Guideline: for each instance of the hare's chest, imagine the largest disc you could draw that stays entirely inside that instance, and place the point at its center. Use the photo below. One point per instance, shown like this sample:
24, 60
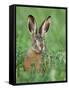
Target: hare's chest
34, 57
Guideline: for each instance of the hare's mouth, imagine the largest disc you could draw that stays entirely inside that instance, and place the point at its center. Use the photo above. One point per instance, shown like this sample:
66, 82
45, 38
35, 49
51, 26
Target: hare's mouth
37, 50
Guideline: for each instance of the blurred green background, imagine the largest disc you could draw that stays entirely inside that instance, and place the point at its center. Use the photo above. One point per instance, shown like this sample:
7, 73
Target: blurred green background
54, 60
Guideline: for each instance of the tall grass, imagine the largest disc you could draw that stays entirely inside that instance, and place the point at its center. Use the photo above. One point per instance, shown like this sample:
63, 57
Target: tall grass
54, 58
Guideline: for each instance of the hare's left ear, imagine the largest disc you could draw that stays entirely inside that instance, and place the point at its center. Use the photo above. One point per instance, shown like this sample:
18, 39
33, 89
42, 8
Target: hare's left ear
31, 24
45, 26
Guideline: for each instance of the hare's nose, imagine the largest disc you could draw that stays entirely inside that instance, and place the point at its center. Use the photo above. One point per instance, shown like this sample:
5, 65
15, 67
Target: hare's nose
41, 45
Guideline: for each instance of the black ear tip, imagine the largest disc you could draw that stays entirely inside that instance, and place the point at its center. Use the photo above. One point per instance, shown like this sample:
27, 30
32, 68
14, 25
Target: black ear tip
48, 17
30, 16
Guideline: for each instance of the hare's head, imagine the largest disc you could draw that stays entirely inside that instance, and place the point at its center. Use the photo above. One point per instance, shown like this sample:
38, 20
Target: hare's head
38, 35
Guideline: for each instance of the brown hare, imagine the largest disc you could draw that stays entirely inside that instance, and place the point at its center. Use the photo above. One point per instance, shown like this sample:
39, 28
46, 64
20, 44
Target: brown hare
34, 53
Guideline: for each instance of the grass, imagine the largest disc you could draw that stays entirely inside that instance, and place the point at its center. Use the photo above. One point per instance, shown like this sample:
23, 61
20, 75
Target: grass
54, 59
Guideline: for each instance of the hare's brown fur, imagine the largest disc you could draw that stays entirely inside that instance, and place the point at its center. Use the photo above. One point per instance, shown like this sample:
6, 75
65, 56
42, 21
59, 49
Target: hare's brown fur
32, 58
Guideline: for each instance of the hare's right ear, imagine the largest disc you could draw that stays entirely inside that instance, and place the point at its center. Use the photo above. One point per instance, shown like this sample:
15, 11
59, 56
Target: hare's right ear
45, 26
31, 24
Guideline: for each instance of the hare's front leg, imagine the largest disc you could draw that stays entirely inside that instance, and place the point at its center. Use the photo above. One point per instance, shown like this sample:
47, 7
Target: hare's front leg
27, 64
